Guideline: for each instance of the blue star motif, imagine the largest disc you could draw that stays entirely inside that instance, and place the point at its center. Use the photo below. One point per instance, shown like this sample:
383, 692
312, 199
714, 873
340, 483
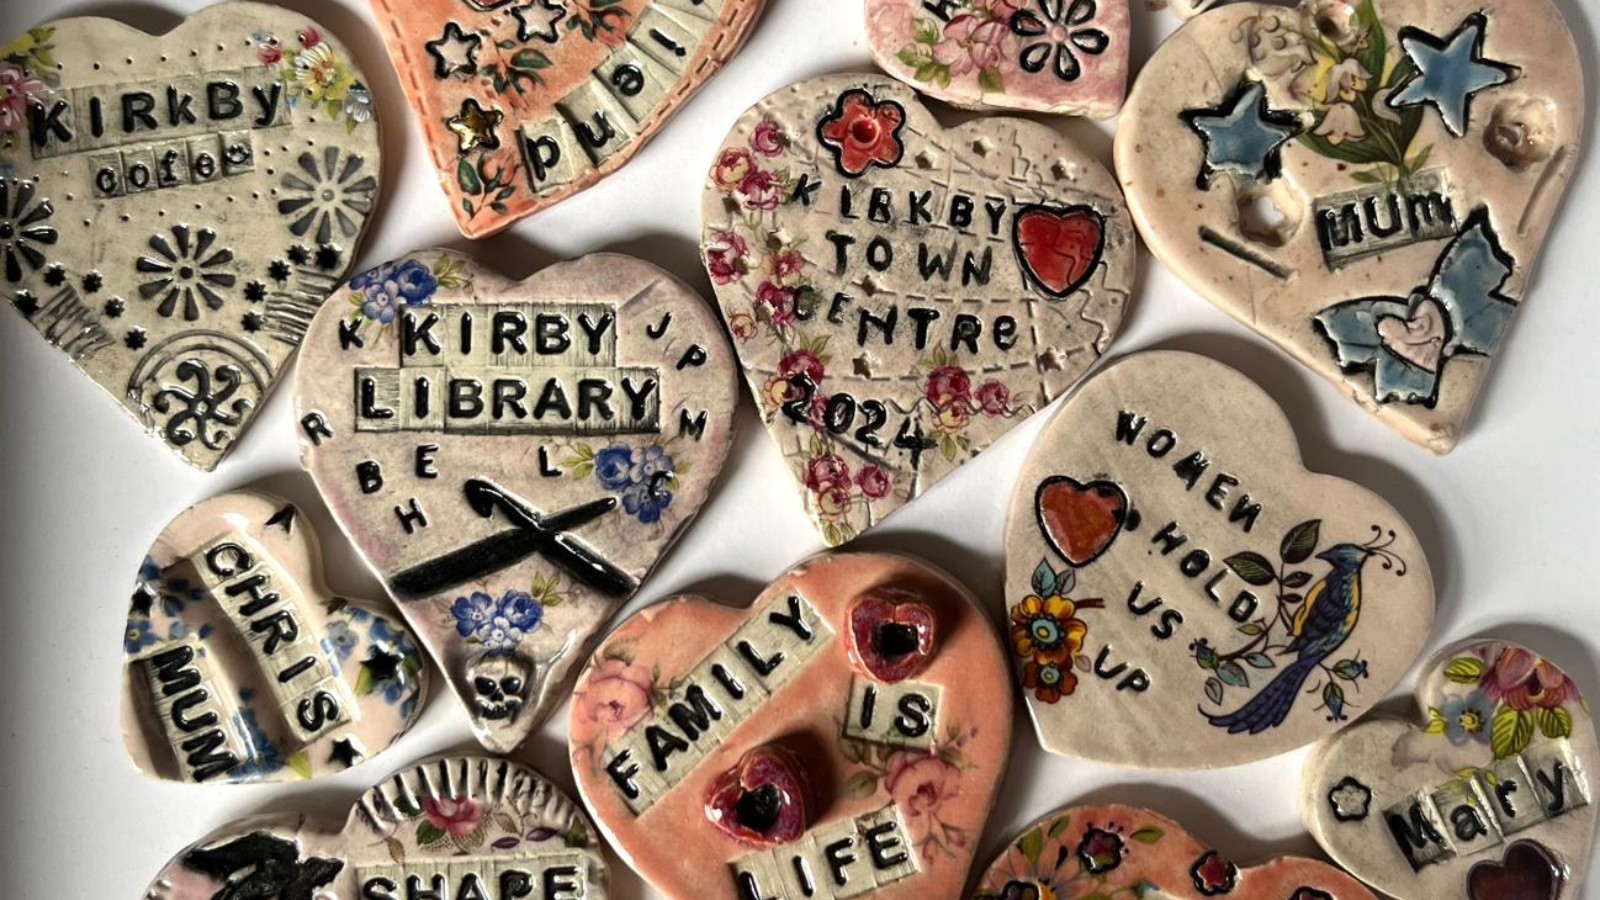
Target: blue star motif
1449, 71
1243, 136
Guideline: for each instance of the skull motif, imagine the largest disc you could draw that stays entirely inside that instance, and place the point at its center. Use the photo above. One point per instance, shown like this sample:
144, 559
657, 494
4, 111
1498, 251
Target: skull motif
499, 686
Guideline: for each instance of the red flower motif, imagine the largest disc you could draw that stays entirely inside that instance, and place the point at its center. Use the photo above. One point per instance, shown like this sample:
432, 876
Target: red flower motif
269, 52
994, 399
761, 190
779, 302
949, 385
1214, 875
726, 256
310, 38
826, 473
1100, 851
768, 139
873, 481
802, 362
1522, 681
457, 818
863, 132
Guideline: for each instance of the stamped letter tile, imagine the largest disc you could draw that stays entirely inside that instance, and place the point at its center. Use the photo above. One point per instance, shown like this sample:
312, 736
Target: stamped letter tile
524, 103
243, 667
1175, 576
513, 457
174, 208
1364, 183
775, 786
1054, 56
1486, 796
450, 828
902, 295
1126, 851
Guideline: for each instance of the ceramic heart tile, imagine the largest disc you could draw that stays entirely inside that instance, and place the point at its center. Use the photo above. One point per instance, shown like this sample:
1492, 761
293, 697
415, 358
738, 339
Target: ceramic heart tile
902, 295
1057, 56
1365, 183
241, 664
512, 458
1485, 796
452, 827
1116, 851
174, 208
783, 751
1175, 576
523, 104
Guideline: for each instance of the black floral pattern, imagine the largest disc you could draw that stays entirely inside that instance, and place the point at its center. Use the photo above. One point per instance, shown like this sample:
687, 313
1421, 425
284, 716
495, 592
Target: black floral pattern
24, 227
208, 410
1053, 34
186, 269
327, 193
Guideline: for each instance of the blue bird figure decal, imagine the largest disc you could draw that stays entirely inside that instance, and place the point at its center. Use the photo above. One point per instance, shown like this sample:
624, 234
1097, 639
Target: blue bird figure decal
1325, 620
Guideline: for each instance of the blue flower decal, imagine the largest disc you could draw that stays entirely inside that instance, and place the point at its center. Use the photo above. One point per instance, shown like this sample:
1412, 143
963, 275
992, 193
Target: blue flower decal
1467, 718
340, 640
614, 467
139, 635
384, 290
498, 625
642, 480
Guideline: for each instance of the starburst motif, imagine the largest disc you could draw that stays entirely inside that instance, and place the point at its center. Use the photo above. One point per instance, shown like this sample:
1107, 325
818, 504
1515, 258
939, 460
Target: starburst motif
114, 307
186, 272
134, 339
327, 193
24, 227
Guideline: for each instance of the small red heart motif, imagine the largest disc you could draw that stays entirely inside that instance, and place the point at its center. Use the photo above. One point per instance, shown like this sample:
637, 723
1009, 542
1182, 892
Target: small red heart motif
891, 635
1527, 871
1058, 246
764, 801
1080, 520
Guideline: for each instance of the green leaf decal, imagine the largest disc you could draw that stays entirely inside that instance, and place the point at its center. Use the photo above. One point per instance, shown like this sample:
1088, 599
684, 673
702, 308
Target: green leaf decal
467, 178
861, 784
1214, 690
1044, 580
1148, 834
429, 833
1233, 673
1260, 661
1029, 845
1059, 826
1300, 541
1555, 723
1464, 670
1252, 567
1510, 733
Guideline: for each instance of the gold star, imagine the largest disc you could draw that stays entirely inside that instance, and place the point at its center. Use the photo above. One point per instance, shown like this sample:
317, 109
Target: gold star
474, 126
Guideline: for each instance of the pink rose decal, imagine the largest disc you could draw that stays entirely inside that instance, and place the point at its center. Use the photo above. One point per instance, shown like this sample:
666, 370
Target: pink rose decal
948, 386
731, 169
761, 190
921, 784
971, 43
1524, 681
727, 257
456, 818
17, 88
615, 696
768, 139
873, 481
827, 472
742, 325
994, 399
778, 302
802, 362
786, 266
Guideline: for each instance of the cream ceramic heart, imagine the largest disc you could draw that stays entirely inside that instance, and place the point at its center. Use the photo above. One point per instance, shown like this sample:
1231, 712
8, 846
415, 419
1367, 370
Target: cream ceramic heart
1117, 851
1486, 796
524, 103
1418, 340
244, 667
1058, 56
1315, 171
458, 826
1235, 606
902, 295
174, 208
704, 736
512, 458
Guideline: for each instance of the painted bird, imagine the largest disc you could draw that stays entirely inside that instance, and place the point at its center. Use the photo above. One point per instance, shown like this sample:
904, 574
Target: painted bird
1325, 620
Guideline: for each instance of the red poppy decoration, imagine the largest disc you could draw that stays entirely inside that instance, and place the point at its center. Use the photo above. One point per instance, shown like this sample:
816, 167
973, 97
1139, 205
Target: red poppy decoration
1213, 875
862, 132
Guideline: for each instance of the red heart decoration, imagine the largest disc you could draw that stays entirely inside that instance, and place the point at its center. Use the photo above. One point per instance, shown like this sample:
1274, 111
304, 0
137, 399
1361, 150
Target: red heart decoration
891, 636
1080, 520
1527, 871
764, 801
1059, 246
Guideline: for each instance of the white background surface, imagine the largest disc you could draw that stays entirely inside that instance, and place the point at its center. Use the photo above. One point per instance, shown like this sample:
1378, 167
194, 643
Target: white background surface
1508, 520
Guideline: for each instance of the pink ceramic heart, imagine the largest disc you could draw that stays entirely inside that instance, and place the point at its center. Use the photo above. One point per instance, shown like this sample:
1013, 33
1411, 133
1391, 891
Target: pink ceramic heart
513, 457
1116, 851
696, 728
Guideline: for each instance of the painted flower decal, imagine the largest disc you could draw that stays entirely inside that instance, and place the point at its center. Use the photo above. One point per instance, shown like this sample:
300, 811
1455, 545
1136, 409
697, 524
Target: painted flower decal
862, 132
768, 139
17, 88
325, 193
1523, 681
727, 257
321, 75
455, 818
384, 290
1100, 851
24, 227
1047, 635
139, 634
1214, 875
614, 696
970, 43
642, 478
920, 784
186, 268
1467, 718
498, 625
1056, 34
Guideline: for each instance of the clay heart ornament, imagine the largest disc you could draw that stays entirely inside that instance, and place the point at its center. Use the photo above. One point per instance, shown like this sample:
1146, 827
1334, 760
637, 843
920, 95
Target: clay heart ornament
512, 458
1124, 850
243, 667
902, 295
1175, 576
454, 827
738, 753
1486, 796
524, 103
1056, 56
174, 208
1080, 520
1418, 340
891, 634
1319, 172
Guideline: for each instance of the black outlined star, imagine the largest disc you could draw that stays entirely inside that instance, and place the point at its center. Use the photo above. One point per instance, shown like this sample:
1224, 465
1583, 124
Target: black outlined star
134, 338
474, 126
346, 753
1243, 136
252, 322
143, 601
1449, 71
539, 19
381, 664
454, 51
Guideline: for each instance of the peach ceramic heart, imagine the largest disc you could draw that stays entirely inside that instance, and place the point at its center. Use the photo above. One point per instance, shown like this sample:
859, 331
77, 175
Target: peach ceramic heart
1115, 851
1059, 56
175, 207
1182, 593
513, 457
1486, 796
243, 666
453, 827
736, 753
902, 295
524, 104
1365, 183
